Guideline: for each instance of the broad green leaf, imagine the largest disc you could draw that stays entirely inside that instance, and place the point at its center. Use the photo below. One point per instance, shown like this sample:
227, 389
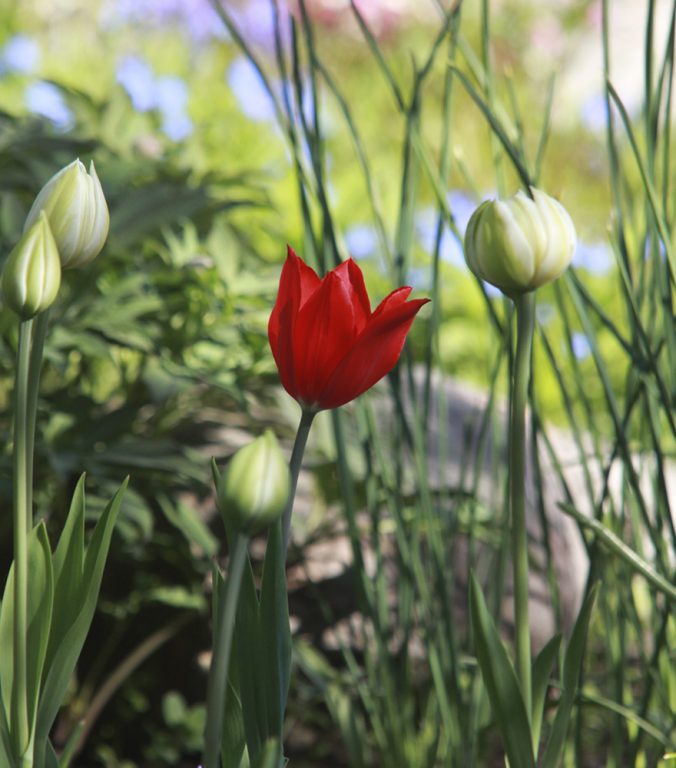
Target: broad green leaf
5, 738
69, 552
270, 756
233, 746
249, 655
572, 666
263, 649
274, 628
51, 760
542, 667
501, 683
40, 601
7, 643
79, 606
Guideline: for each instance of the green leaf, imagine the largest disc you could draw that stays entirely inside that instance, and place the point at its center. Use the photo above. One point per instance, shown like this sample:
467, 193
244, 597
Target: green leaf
233, 744
40, 601
5, 738
74, 606
501, 683
248, 653
275, 630
186, 520
68, 751
51, 759
69, 552
270, 756
571, 674
233, 748
542, 668
263, 648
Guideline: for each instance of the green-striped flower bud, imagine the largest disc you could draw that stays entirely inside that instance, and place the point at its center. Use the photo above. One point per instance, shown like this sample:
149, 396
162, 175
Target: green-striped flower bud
77, 211
255, 486
520, 243
32, 273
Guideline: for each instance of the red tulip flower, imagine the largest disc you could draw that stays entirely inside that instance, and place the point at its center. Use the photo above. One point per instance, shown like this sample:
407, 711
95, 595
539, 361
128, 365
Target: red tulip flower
328, 345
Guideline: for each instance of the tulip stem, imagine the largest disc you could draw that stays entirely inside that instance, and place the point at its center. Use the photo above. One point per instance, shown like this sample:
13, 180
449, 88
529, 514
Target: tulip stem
525, 320
294, 467
19, 697
220, 661
34, 369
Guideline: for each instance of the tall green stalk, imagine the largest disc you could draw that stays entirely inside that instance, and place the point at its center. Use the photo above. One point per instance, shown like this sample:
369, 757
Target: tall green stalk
299, 444
220, 661
19, 697
525, 319
34, 369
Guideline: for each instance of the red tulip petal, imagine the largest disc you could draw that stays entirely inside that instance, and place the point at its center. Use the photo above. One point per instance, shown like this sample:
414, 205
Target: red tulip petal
308, 278
325, 330
296, 284
374, 353
394, 299
361, 301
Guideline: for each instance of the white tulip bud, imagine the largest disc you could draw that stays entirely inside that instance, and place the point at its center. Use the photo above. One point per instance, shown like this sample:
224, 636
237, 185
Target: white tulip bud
520, 243
77, 211
255, 487
32, 273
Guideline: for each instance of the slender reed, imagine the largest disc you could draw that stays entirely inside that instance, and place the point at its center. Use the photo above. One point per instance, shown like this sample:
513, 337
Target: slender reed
294, 466
19, 701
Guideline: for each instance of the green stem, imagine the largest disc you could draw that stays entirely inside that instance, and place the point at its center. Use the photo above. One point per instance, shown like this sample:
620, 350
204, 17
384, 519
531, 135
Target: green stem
35, 366
220, 661
294, 466
525, 319
19, 698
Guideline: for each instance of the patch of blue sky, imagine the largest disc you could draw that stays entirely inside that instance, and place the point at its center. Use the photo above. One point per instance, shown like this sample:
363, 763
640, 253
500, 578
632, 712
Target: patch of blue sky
648, 250
172, 101
249, 90
257, 104
177, 126
20, 54
168, 94
491, 291
596, 258
137, 78
580, 345
255, 21
462, 207
171, 94
419, 278
46, 100
450, 248
594, 113
544, 312
361, 240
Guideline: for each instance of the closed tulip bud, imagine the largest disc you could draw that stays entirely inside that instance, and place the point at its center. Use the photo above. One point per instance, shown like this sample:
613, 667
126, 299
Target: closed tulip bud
32, 273
255, 487
520, 243
77, 211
